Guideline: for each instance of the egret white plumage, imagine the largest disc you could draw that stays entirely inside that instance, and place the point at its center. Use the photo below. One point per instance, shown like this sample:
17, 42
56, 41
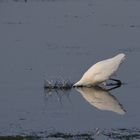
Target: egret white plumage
101, 71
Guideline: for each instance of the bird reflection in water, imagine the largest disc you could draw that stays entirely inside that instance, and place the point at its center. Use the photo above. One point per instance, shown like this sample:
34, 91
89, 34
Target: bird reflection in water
97, 96
102, 99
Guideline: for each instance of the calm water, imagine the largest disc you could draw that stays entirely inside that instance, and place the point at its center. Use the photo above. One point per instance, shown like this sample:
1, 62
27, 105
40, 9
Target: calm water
62, 39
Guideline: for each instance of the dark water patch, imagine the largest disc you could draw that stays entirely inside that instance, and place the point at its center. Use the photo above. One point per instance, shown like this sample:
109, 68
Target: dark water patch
22, 119
75, 47
79, 17
135, 17
112, 25
18, 137
50, 45
134, 26
28, 68
119, 134
78, 53
20, 0
132, 0
70, 49
123, 134
118, 26
83, 136
26, 1
130, 49
13, 22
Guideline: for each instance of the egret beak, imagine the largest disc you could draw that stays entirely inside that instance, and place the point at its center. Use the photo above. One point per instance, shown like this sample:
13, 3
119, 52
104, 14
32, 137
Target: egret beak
77, 85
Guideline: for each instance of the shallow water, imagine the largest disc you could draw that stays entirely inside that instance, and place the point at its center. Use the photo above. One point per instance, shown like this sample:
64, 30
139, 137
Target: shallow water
61, 39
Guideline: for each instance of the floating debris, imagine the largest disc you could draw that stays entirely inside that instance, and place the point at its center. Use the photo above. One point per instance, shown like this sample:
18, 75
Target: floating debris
63, 85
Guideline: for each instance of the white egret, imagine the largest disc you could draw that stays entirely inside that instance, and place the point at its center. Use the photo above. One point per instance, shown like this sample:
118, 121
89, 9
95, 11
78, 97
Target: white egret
101, 71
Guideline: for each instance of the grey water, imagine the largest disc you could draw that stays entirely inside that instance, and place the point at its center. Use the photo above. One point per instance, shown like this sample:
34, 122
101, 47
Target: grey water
61, 39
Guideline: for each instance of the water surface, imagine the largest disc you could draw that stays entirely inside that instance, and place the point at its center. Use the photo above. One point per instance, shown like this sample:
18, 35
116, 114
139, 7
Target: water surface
62, 39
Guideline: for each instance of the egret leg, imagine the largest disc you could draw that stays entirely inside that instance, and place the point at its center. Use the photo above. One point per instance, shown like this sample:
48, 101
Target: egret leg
118, 82
117, 86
